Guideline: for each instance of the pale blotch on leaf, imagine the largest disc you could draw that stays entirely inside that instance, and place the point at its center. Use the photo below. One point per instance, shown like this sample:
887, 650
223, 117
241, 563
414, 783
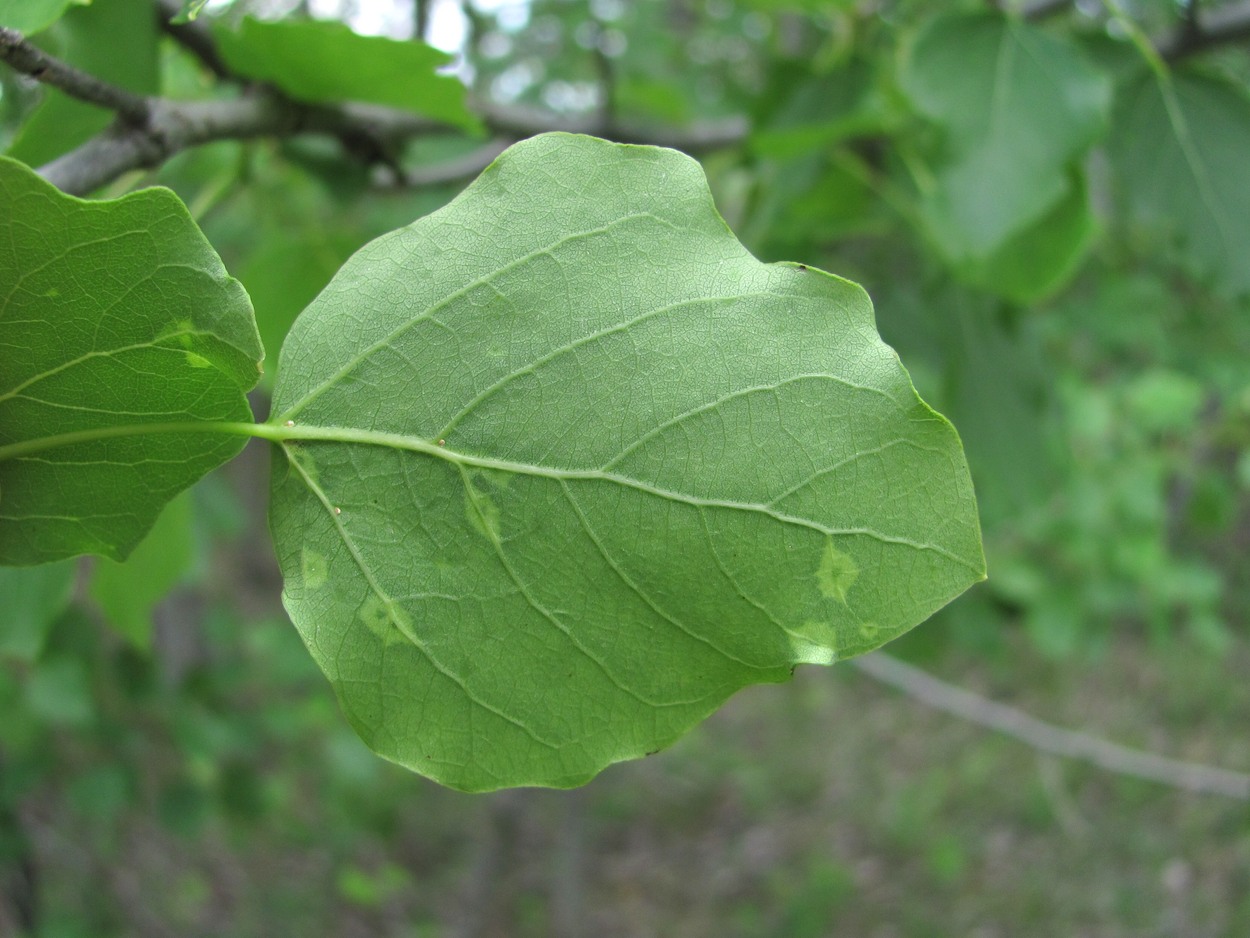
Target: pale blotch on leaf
313, 568
197, 361
868, 631
299, 455
482, 512
814, 642
384, 619
836, 573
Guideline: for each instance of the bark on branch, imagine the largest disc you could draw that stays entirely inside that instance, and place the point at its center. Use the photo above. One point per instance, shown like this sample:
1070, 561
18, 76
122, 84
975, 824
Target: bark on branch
1045, 737
30, 60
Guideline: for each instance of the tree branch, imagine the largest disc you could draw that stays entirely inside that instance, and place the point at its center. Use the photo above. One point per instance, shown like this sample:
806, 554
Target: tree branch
1205, 29
30, 60
192, 36
1040, 9
1046, 737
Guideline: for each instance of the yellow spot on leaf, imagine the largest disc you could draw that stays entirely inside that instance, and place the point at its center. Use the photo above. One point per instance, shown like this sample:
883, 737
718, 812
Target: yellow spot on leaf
836, 573
313, 568
384, 619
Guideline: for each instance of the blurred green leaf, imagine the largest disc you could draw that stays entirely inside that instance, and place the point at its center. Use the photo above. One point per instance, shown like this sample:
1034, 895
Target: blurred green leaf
115, 316
669, 471
111, 39
327, 62
31, 16
33, 599
1017, 107
59, 691
1042, 258
1179, 150
129, 592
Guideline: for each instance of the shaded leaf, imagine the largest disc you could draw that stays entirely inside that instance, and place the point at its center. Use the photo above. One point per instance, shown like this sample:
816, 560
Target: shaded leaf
129, 592
31, 16
568, 467
33, 599
114, 40
1179, 151
123, 336
1039, 260
1017, 106
327, 62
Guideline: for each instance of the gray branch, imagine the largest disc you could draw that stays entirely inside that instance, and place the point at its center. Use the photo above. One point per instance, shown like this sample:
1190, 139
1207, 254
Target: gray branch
30, 60
1205, 29
151, 130
1044, 737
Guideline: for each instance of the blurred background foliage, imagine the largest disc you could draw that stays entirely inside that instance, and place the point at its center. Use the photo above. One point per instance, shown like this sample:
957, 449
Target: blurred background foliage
1050, 206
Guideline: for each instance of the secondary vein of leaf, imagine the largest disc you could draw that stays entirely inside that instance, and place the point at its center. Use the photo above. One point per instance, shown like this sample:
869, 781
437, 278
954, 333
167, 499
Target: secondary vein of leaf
388, 603
357, 359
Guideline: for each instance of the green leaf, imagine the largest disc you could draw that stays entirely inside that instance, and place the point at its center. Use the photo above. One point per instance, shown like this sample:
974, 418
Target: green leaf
1017, 106
1038, 261
33, 599
117, 321
114, 40
128, 592
31, 16
327, 62
1179, 153
563, 466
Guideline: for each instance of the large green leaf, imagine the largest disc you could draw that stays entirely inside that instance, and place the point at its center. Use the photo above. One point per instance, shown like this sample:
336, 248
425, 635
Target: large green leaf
112, 39
327, 62
1017, 106
1179, 149
117, 320
563, 466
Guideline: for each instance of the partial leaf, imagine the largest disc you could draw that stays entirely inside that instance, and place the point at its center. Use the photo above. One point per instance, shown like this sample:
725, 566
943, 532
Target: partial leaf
327, 62
129, 592
1041, 259
112, 39
1017, 106
31, 16
562, 467
1179, 150
124, 341
33, 599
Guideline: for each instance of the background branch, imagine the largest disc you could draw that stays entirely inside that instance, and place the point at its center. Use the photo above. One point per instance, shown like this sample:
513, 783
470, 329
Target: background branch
193, 36
1205, 29
154, 129
30, 60
1048, 738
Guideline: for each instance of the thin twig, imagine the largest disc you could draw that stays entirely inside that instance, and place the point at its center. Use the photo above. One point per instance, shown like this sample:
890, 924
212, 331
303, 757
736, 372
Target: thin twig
30, 60
1046, 737
457, 170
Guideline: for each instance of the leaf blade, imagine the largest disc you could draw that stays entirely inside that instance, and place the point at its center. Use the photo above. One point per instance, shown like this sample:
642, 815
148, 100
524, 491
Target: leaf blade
119, 319
552, 496
327, 62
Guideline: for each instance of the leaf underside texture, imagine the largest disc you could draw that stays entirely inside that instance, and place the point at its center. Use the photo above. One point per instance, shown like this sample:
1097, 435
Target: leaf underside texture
569, 467
117, 323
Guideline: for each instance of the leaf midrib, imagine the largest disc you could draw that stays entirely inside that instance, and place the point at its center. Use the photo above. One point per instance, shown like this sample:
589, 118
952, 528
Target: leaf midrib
282, 434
